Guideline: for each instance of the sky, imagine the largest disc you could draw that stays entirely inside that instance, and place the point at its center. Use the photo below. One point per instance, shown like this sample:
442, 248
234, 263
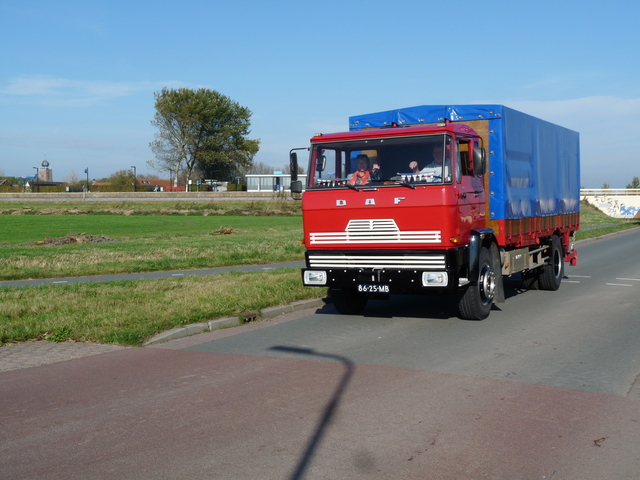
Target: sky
77, 78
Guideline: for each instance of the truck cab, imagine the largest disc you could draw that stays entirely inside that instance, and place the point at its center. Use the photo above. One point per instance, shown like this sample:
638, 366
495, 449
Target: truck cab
400, 222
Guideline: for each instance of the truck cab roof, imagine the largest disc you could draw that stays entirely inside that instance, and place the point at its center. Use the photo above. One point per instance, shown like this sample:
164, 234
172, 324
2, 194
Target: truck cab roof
396, 131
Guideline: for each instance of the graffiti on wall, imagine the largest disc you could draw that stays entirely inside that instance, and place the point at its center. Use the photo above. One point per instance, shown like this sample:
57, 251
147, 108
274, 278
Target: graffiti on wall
616, 206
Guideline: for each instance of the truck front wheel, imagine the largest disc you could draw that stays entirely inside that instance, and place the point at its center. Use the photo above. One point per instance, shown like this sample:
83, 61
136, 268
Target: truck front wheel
477, 298
552, 273
348, 301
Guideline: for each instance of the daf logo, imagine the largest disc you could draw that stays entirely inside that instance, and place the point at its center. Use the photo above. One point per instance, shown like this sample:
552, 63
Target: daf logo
369, 201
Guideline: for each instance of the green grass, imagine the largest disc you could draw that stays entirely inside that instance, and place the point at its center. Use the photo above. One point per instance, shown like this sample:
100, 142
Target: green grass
130, 312
18, 229
144, 243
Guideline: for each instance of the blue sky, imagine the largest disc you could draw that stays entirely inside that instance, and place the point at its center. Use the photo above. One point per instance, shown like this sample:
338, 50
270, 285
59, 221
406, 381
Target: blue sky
77, 78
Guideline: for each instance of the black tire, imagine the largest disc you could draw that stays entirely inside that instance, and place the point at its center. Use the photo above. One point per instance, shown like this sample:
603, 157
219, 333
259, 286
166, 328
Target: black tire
348, 301
477, 297
551, 274
531, 279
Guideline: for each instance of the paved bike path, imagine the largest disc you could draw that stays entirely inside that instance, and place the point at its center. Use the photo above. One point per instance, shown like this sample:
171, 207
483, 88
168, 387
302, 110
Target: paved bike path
150, 275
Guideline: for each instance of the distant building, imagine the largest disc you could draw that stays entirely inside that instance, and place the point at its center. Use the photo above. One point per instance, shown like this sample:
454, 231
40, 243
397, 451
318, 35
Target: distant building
271, 183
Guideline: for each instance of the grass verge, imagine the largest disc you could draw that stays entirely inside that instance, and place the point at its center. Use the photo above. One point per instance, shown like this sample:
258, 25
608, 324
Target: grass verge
130, 312
595, 223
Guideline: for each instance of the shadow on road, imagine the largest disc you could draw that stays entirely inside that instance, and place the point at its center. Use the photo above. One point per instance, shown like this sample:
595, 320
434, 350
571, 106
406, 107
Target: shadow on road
329, 410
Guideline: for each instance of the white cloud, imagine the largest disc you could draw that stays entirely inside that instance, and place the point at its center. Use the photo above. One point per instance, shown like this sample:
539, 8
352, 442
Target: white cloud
54, 91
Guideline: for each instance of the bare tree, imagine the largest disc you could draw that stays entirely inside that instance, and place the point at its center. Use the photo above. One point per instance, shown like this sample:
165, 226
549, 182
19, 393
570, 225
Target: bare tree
72, 178
260, 168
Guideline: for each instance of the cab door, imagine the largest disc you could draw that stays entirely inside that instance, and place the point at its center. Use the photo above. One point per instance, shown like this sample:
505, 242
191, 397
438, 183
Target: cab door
470, 190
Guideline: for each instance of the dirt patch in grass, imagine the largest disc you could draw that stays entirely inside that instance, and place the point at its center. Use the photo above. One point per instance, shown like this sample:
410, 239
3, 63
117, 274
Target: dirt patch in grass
224, 231
73, 238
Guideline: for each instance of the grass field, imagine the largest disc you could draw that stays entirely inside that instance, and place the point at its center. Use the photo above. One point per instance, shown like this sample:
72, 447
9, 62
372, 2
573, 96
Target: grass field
142, 243
154, 237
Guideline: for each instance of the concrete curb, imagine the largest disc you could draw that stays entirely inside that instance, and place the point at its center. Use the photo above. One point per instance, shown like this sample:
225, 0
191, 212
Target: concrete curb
211, 325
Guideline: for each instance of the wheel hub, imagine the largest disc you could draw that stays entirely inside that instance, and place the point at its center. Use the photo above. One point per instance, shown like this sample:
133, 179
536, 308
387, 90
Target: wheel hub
487, 284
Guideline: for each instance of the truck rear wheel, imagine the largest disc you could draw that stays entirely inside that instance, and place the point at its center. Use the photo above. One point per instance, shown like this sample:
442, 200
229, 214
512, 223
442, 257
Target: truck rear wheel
551, 274
348, 301
477, 298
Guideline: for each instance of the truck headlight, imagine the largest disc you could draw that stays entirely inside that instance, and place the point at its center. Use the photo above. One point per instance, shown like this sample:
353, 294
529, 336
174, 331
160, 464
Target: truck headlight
315, 277
435, 279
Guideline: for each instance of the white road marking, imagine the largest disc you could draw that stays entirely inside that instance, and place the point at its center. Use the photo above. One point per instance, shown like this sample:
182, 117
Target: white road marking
570, 281
177, 274
619, 285
629, 279
579, 276
63, 281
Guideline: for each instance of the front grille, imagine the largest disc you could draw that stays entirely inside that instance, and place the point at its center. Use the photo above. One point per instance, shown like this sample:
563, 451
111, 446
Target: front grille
375, 231
401, 262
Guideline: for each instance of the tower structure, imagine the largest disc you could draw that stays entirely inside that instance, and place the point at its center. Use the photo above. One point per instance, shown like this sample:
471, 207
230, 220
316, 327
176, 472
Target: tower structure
45, 174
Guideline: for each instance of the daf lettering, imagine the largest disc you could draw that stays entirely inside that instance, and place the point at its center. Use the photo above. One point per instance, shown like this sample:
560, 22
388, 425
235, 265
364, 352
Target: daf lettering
341, 203
370, 201
397, 200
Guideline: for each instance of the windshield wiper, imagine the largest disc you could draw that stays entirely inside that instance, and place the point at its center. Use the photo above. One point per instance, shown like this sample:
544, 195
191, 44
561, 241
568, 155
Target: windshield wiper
405, 184
398, 180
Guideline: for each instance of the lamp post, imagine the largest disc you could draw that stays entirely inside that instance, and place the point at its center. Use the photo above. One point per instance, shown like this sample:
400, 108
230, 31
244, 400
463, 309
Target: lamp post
37, 179
134, 177
171, 178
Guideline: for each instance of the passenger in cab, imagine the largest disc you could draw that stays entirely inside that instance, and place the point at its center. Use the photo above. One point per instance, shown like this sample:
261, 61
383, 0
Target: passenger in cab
362, 174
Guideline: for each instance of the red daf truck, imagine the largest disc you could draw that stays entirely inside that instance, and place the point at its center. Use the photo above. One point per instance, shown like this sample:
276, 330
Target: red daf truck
446, 199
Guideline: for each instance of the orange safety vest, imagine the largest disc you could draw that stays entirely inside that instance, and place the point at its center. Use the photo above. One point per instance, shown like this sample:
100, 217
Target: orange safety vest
360, 178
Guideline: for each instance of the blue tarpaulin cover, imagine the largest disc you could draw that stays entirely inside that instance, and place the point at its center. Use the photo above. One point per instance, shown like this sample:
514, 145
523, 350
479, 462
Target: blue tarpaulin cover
533, 165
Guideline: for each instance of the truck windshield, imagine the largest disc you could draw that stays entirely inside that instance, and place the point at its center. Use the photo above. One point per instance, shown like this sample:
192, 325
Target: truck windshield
416, 160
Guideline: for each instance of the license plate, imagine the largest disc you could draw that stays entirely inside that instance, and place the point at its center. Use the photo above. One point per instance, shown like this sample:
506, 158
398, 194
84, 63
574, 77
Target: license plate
373, 288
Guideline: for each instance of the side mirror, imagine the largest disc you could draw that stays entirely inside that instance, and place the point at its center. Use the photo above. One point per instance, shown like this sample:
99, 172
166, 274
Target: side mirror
293, 166
321, 163
479, 161
296, 186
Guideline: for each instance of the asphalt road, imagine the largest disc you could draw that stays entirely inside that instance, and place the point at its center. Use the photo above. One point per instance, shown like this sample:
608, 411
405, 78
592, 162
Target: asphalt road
543, 388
